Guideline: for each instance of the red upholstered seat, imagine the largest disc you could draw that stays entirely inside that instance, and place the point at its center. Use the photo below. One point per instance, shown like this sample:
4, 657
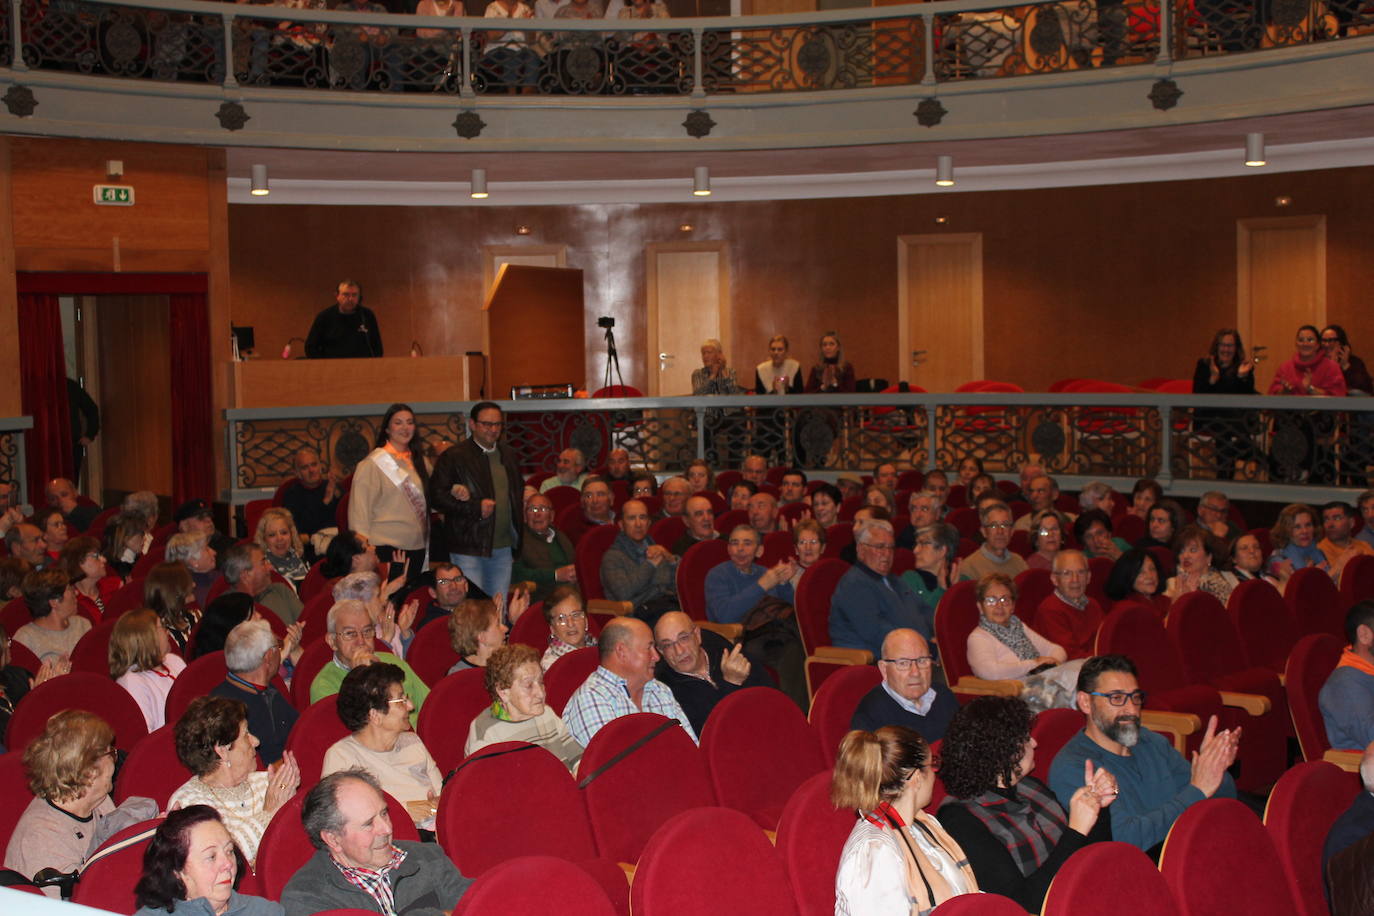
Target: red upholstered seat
622, 830
107, 883
727, 479
78, 690
833, 706
14, 615
22, 656
1309, 665
314, 619
811, 834
666, 531
1264, 622
524, 884
316, 582
1357, 580
431, 653
1164, 559
837, 537
700, 559
14, 793
1130, 528
794, 512
546, 817
729, 521
587, 560
1315, 602
563, 496
530, 629
317, 728
1032, 587
200, 677
965, 519
759, 748
812, 598
1302, 807
736, 863
572, 522
1218, 858
1051, 730
156, 554
567, 674
979, 905
777, 546
284, 847
1211, 652
92, 651
152, 769
448, 712
1137, 887
1101, 569
955, 617
313, 658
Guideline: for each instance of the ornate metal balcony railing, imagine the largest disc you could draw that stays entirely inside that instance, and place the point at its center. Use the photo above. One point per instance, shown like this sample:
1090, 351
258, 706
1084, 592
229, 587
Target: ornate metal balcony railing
1282, 446
13, 467
930, 43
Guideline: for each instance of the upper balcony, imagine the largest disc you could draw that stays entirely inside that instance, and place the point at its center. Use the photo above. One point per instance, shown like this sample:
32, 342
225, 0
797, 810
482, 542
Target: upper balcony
233, 75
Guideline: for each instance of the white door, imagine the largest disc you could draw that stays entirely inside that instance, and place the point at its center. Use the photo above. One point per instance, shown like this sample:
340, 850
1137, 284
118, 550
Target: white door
1280, 285
689, 301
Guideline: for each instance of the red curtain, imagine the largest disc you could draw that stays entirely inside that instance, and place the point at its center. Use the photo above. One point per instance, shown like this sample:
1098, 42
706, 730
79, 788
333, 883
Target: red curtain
43, 374
193, 457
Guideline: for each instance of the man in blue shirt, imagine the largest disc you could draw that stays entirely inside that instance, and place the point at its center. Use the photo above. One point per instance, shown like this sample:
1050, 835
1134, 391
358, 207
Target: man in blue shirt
1155, 783
735, 587
1347, 697
869, 602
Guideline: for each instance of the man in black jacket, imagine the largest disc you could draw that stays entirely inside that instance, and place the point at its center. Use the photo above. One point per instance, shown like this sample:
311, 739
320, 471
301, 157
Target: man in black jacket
700, 667
346, 329
477, 486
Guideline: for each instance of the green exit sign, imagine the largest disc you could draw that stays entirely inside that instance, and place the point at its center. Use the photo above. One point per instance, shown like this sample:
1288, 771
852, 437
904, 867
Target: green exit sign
113, 195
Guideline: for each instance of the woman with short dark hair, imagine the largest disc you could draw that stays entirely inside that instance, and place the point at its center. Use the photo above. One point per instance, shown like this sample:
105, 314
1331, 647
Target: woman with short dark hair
1011, 826
192, 865
1135, 577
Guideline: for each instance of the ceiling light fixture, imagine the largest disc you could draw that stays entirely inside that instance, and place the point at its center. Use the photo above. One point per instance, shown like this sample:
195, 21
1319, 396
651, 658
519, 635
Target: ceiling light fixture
701, 182
1254, 150
479, 184
944, 171
258, 186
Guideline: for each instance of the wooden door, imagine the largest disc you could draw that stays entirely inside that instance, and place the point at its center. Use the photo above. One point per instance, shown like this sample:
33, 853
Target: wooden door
136, 398
689, 301
1280, 285
940, 308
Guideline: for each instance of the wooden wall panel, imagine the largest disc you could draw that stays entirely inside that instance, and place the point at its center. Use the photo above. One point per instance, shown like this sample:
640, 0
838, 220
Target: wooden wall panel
135, 377
1121, 282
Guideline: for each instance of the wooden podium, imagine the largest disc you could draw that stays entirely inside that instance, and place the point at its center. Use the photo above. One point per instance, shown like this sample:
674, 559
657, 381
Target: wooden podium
535, 328
385, 380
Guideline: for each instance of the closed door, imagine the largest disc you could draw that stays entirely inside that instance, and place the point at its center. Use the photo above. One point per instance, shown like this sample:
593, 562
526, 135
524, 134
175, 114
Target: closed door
136, 403
940, 309
1280, 285
689, 301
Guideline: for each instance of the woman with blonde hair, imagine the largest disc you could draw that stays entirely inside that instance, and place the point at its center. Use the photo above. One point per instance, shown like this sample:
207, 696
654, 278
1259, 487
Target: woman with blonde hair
142, 662
833, 374
170, 592
898, 859
1294, 536
281, 544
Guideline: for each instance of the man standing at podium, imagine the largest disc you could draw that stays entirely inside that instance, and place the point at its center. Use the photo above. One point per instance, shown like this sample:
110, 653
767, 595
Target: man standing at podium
347, 329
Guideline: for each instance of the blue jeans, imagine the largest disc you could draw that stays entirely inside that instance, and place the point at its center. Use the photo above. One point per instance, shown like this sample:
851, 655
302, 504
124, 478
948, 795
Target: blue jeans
490, 574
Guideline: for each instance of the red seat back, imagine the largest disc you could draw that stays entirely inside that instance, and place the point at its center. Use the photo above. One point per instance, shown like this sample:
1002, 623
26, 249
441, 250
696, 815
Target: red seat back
523, 884
833, 706
1137, 887
955, 617
740, 861
431, 653
1101, 569
314, 619
759, 748
666, 531
567, 674
316, 582
1051, 730
1357, 580
108, 882
1032, 587
813, 601
1219, 851
700, 559
1309, 665
590, 549
448, 713
14, 615
545, 817
837, 537
1315, 602
1264, 622
811, 835
1302, 807
78, 690
313, 659
156, 554
1135, 631
14, 794
1130, 528
152, 769
965, 519
530, 629
1205, 638
622, 830
777, 546
125, 598
318, 727
729, 521
92, 651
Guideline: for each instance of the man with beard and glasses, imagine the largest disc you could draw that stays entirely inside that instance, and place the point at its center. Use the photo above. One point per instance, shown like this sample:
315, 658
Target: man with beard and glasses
1155, 782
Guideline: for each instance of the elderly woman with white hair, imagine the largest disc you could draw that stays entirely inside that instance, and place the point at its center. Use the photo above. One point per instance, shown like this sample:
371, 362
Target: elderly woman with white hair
253, 657
714, 377
195, 553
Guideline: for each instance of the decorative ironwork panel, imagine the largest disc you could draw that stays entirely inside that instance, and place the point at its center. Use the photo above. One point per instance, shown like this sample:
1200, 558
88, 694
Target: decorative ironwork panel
1115, 441
583, 63
845, 55
6, 45
123, 41
10, 445
1274, 446
999, 436
1210, 27
1100, 441
1048, 38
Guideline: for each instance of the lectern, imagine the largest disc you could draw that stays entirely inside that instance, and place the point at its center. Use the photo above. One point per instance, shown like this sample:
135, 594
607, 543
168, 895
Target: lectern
535, 328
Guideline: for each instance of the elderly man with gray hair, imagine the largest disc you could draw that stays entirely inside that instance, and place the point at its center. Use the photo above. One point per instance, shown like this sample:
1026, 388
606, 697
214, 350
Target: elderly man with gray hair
246, 569
352, 634
869, 602
195, 553
252, 653
395, 630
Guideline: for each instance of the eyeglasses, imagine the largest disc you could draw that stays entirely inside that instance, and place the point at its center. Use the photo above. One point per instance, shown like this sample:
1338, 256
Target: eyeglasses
539, 510
451, 580
809, 542
368, 632
1072, 573
1213, 508
574, 617
683, 640
995, 600
998, 526
925, 542
904, 664
881, 548
1119, 697
403, 698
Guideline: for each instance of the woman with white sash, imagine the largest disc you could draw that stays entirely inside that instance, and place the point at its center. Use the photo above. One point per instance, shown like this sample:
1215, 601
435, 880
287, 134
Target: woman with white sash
387, 503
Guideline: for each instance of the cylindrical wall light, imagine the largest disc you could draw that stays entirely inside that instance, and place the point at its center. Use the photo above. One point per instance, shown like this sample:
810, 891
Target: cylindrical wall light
1254, 150
258, 186
701, 181
479, 184
944, 171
